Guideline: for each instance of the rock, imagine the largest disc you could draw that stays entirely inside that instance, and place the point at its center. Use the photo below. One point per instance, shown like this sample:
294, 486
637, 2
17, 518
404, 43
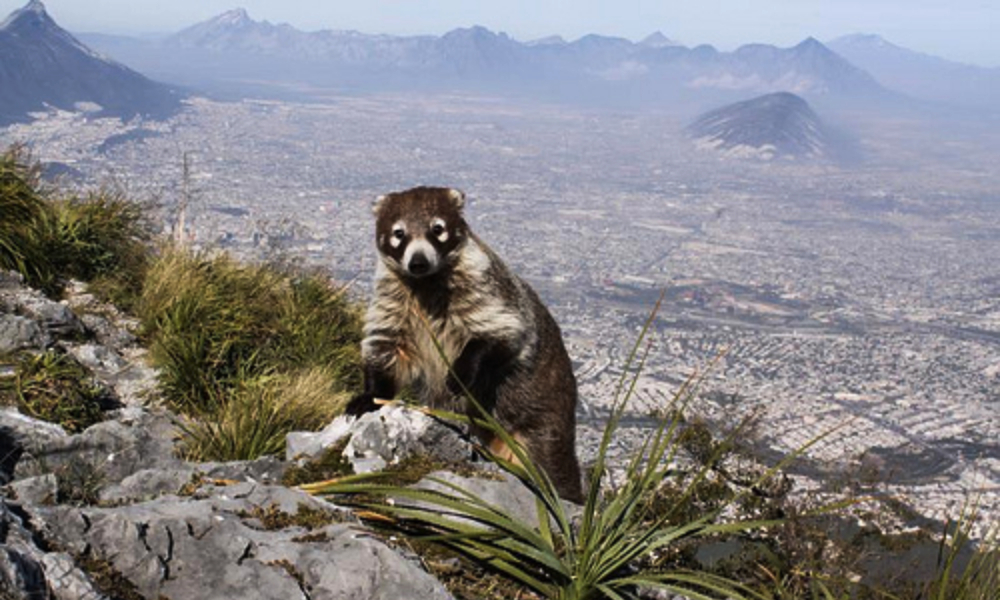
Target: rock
504, 492
21, 572
55, 317
21, 576
310, 444
135, 383
20, 333
396, 432
68, 582
36, 490
151, 483
17, 431
386, 436
211, 548
119, 448
107, 333
96, 358
10, 280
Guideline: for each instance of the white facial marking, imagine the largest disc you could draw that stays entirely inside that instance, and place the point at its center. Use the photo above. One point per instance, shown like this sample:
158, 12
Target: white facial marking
398, 231
439, 229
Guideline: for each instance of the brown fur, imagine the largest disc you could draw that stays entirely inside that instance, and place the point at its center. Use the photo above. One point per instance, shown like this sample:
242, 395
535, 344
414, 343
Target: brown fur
503, 345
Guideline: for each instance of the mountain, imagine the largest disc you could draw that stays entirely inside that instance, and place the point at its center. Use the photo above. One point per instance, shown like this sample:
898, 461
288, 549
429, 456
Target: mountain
657, 40
780, 125
921, 75
237, 51
42, 65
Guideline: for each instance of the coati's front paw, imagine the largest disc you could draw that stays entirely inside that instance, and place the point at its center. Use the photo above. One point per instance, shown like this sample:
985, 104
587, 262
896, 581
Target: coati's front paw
361, 404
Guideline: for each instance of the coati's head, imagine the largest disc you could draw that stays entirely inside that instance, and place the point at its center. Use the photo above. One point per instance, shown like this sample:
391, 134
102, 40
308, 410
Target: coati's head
420, 231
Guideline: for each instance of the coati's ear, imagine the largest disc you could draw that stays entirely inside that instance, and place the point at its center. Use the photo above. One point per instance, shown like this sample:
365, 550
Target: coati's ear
457, 197
377, 204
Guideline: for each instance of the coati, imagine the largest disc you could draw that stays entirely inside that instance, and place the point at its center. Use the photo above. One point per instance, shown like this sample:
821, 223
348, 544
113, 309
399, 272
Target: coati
437, 281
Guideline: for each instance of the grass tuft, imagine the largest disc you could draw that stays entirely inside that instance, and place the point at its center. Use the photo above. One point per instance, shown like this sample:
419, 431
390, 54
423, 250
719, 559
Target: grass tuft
252, 420
24, 210
247, 352
54, 387
101, 238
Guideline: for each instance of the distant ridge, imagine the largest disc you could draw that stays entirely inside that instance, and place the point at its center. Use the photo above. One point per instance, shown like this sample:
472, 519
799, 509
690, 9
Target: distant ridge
235, 51
921, 75
774, 126
44, 66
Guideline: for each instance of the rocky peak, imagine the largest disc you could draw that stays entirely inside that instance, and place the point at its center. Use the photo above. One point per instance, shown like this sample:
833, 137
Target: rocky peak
236, 17
31, 17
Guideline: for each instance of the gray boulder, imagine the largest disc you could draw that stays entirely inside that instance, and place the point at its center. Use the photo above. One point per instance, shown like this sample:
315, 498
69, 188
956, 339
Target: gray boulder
68, 581
20, 333
54, 317
137, 440
147, 484
215, 548
21, 572
18, 431
384, 437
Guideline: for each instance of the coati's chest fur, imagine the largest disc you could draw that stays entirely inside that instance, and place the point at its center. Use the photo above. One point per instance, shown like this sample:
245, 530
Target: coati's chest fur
428, 323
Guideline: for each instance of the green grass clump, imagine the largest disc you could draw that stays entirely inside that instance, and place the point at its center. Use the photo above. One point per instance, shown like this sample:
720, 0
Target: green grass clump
253, 419
101, 238
54, 387
248, 352
23, 211
104, 239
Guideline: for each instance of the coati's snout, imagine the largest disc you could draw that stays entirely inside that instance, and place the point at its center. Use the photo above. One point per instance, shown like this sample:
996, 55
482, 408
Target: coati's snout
421, 259
420, 231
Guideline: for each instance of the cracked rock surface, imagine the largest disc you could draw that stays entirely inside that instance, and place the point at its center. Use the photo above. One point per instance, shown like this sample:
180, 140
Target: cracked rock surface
113, 511
213, 547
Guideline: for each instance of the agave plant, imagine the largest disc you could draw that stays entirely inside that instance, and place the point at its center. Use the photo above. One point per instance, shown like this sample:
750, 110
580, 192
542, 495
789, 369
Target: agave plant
979, 579
604, 552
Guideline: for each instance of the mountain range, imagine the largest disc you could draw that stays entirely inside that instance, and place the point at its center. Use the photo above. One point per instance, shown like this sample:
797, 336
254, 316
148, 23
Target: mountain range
235, 56
43, 66
233, 53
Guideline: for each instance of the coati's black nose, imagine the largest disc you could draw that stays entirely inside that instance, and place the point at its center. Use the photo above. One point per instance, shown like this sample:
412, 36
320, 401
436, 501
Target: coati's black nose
419, 265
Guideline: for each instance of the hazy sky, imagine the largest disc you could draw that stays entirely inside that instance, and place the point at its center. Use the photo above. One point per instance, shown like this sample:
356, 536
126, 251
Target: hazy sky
963, 30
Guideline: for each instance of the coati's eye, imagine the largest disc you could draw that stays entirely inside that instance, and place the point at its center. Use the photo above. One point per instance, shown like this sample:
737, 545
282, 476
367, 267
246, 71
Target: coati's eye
398, 233
438, 229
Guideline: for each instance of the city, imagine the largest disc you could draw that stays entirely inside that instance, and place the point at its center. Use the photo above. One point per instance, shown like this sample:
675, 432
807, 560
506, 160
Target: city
862, 301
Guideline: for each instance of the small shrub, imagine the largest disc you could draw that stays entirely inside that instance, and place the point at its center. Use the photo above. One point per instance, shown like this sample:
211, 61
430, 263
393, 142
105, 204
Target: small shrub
79, 483
54, 387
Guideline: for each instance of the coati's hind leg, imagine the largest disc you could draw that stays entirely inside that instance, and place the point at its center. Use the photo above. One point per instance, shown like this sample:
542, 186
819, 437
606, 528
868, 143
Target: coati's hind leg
556, 457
